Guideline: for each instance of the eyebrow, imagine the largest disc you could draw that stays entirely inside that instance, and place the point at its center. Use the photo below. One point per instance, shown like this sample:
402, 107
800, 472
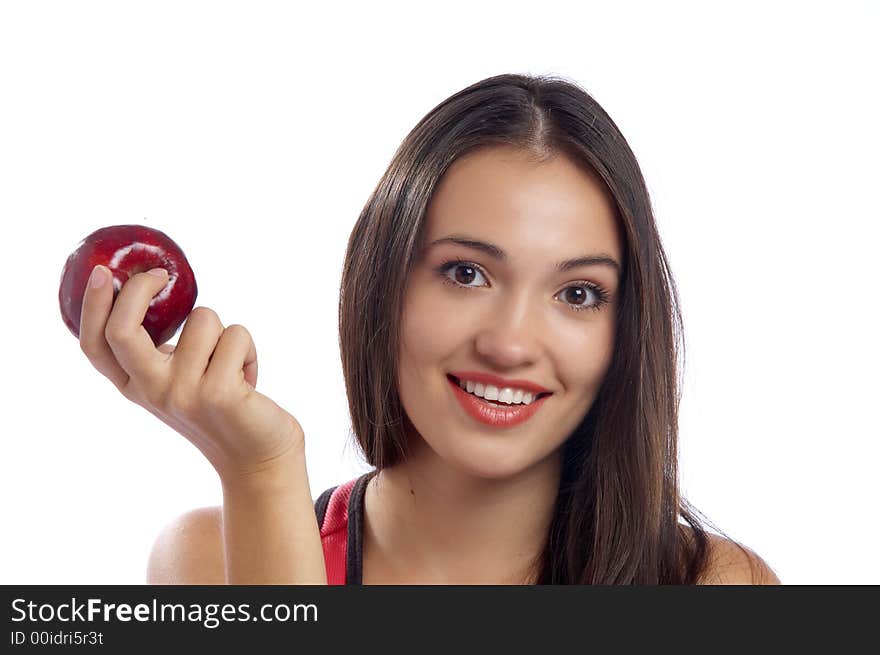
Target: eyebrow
495, 252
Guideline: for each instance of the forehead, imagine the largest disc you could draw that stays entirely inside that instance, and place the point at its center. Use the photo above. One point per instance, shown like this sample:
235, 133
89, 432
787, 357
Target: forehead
504, 196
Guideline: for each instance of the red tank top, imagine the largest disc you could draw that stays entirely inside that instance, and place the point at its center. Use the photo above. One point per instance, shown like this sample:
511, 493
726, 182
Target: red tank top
340, 514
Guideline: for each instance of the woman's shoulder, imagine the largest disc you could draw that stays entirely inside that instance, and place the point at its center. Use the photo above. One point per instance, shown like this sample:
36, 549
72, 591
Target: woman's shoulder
731, 563
189, 550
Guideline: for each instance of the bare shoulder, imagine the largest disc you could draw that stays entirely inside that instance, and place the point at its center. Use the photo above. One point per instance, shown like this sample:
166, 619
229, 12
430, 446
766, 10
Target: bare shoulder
189, 550
730, 563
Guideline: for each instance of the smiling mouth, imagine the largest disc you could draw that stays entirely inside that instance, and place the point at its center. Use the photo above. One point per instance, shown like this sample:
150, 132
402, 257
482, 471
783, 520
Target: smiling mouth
537, 397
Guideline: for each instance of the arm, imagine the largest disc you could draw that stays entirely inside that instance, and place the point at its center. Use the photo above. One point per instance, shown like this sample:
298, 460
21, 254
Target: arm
266, 532
261, 524
270, 532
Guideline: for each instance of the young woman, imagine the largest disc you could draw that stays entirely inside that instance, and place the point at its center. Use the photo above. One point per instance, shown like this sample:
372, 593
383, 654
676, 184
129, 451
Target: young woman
509, 332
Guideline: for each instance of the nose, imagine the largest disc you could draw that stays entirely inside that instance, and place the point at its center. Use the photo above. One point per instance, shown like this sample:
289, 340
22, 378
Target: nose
512, 335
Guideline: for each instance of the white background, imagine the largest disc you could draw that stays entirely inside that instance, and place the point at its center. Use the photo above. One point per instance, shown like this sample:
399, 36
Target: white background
253, 133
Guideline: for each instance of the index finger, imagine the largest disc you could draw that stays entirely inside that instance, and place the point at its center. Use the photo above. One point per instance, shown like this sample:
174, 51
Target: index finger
97, 302
125, 334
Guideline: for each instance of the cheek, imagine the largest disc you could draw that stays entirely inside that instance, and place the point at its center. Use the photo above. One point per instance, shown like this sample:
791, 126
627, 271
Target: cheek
605, 342
427, 334
585, 360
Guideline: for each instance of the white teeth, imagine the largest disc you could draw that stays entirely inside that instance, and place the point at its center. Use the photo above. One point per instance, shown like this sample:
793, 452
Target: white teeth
490, 392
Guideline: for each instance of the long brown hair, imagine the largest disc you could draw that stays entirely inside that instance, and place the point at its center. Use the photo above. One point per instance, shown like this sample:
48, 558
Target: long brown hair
618, 510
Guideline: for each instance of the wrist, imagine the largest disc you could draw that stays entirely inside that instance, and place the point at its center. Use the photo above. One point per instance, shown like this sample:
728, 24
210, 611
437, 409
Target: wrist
279, 474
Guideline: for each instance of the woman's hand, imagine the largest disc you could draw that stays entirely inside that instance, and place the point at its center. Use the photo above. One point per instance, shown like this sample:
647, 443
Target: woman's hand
204, 388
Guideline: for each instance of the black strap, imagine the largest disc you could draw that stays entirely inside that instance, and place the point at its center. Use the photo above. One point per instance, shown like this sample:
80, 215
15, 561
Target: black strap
355, 565
321, 505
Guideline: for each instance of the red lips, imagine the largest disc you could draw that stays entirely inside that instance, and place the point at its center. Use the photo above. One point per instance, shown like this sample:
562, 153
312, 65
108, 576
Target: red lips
496, 416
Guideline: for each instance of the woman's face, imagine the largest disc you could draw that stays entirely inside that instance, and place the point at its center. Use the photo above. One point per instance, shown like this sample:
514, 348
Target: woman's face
513, 315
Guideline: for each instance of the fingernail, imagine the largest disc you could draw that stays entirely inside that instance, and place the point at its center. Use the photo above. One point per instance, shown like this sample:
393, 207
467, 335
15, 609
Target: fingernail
158, 272
97, 278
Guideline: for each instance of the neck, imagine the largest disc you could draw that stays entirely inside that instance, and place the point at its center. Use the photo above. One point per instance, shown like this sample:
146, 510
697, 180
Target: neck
430, 523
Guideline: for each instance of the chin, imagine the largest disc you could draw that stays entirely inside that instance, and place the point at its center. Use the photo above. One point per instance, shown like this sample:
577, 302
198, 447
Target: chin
489, 461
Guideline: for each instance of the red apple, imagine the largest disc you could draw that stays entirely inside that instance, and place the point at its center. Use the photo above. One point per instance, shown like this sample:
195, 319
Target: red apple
127, 250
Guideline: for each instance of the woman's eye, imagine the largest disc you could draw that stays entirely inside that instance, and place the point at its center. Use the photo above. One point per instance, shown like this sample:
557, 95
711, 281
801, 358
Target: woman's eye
581, 300
577, 297
463, 273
